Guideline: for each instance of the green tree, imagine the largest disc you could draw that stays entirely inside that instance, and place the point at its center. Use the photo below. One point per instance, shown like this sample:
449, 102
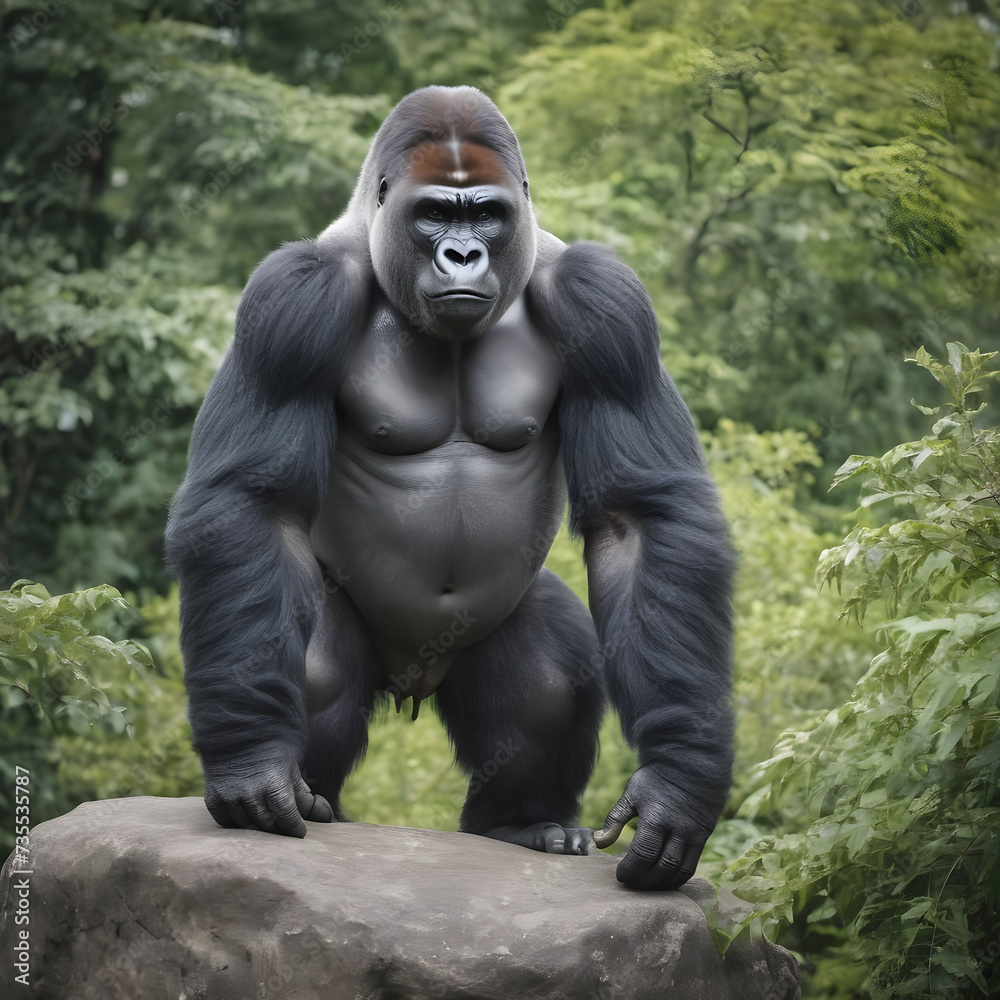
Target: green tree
145, 174
809, 191
901, 784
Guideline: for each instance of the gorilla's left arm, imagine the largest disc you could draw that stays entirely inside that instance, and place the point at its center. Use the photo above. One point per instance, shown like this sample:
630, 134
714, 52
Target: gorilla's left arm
658, 558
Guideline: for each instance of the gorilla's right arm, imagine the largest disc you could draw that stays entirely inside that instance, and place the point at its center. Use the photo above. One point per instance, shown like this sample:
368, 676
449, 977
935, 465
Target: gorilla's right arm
237, 535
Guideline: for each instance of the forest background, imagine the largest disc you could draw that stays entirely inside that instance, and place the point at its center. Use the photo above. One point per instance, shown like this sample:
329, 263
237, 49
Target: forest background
809, 190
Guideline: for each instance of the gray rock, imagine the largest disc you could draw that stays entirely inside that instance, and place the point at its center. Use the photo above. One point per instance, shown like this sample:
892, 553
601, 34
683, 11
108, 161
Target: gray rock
146, 898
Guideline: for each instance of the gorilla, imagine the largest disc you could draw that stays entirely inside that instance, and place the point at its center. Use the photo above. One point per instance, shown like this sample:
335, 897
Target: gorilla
376, 476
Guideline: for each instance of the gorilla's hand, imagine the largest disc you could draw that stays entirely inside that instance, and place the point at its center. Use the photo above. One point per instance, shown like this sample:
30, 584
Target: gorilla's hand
670, 835
263, 791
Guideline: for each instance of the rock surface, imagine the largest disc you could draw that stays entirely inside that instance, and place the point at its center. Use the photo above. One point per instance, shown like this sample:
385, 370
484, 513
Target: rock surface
146, 898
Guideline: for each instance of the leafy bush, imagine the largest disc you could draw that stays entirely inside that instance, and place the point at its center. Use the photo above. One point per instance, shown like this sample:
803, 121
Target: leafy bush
50, 650
900, 784
159, 758
792, 658
64, 687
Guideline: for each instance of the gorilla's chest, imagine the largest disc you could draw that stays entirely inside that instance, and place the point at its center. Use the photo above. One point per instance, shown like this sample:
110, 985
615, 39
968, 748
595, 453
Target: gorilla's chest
405, 393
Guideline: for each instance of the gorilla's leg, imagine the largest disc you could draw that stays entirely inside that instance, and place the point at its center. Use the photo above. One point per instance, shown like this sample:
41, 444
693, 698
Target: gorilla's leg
523, 708
341, 679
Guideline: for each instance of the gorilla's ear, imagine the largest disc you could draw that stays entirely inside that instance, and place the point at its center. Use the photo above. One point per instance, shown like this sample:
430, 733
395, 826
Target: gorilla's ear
382, 188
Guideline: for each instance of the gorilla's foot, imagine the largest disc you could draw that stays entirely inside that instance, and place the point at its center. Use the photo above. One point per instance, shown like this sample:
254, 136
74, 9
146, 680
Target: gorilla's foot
548, 837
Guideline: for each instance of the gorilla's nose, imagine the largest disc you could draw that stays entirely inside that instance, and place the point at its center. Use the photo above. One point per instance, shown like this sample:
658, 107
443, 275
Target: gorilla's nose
464, 260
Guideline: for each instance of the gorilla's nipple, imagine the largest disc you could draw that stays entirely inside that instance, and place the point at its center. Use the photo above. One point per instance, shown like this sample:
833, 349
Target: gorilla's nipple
448, 588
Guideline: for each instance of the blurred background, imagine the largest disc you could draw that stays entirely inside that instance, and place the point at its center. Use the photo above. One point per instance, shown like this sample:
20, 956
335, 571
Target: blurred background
809, 191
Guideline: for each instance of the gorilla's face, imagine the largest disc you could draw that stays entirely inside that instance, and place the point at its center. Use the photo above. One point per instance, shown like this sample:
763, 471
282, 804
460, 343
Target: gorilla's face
453, 241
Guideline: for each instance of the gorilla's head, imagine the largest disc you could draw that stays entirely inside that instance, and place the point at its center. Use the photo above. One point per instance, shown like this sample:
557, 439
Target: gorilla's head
444, 192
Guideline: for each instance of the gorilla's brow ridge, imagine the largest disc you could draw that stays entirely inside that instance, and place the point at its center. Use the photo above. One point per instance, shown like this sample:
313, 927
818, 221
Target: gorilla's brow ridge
457, 163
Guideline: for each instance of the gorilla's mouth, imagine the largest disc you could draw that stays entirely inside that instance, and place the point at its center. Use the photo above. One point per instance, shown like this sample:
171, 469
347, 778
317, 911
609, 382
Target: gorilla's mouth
461, 293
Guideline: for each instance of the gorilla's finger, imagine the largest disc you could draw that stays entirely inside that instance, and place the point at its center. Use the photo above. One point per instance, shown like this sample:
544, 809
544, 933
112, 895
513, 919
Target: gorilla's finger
621, 812
260, 816
286, 811
610, 833
312, 807
321, 812
665, 873
690, 864
646, 848
240, 816
218, 809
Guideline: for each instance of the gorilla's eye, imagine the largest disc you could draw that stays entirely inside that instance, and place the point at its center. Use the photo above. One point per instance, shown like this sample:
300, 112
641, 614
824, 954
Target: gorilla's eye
485, 216
434, 214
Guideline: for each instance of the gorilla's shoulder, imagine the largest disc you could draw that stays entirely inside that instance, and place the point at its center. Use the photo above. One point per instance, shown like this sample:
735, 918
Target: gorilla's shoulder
311, 265
301, 308
585, 276
596, 311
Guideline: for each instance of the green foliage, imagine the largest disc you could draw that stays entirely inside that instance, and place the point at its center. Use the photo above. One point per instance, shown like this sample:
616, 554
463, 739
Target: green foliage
805, 189
792, 658
52, 650
146, 174
89, 715
49, 653
99, 382
902, 782
159, 758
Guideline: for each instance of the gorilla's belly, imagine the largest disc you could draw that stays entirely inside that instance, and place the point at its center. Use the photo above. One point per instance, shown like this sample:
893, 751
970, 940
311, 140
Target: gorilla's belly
437, 549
